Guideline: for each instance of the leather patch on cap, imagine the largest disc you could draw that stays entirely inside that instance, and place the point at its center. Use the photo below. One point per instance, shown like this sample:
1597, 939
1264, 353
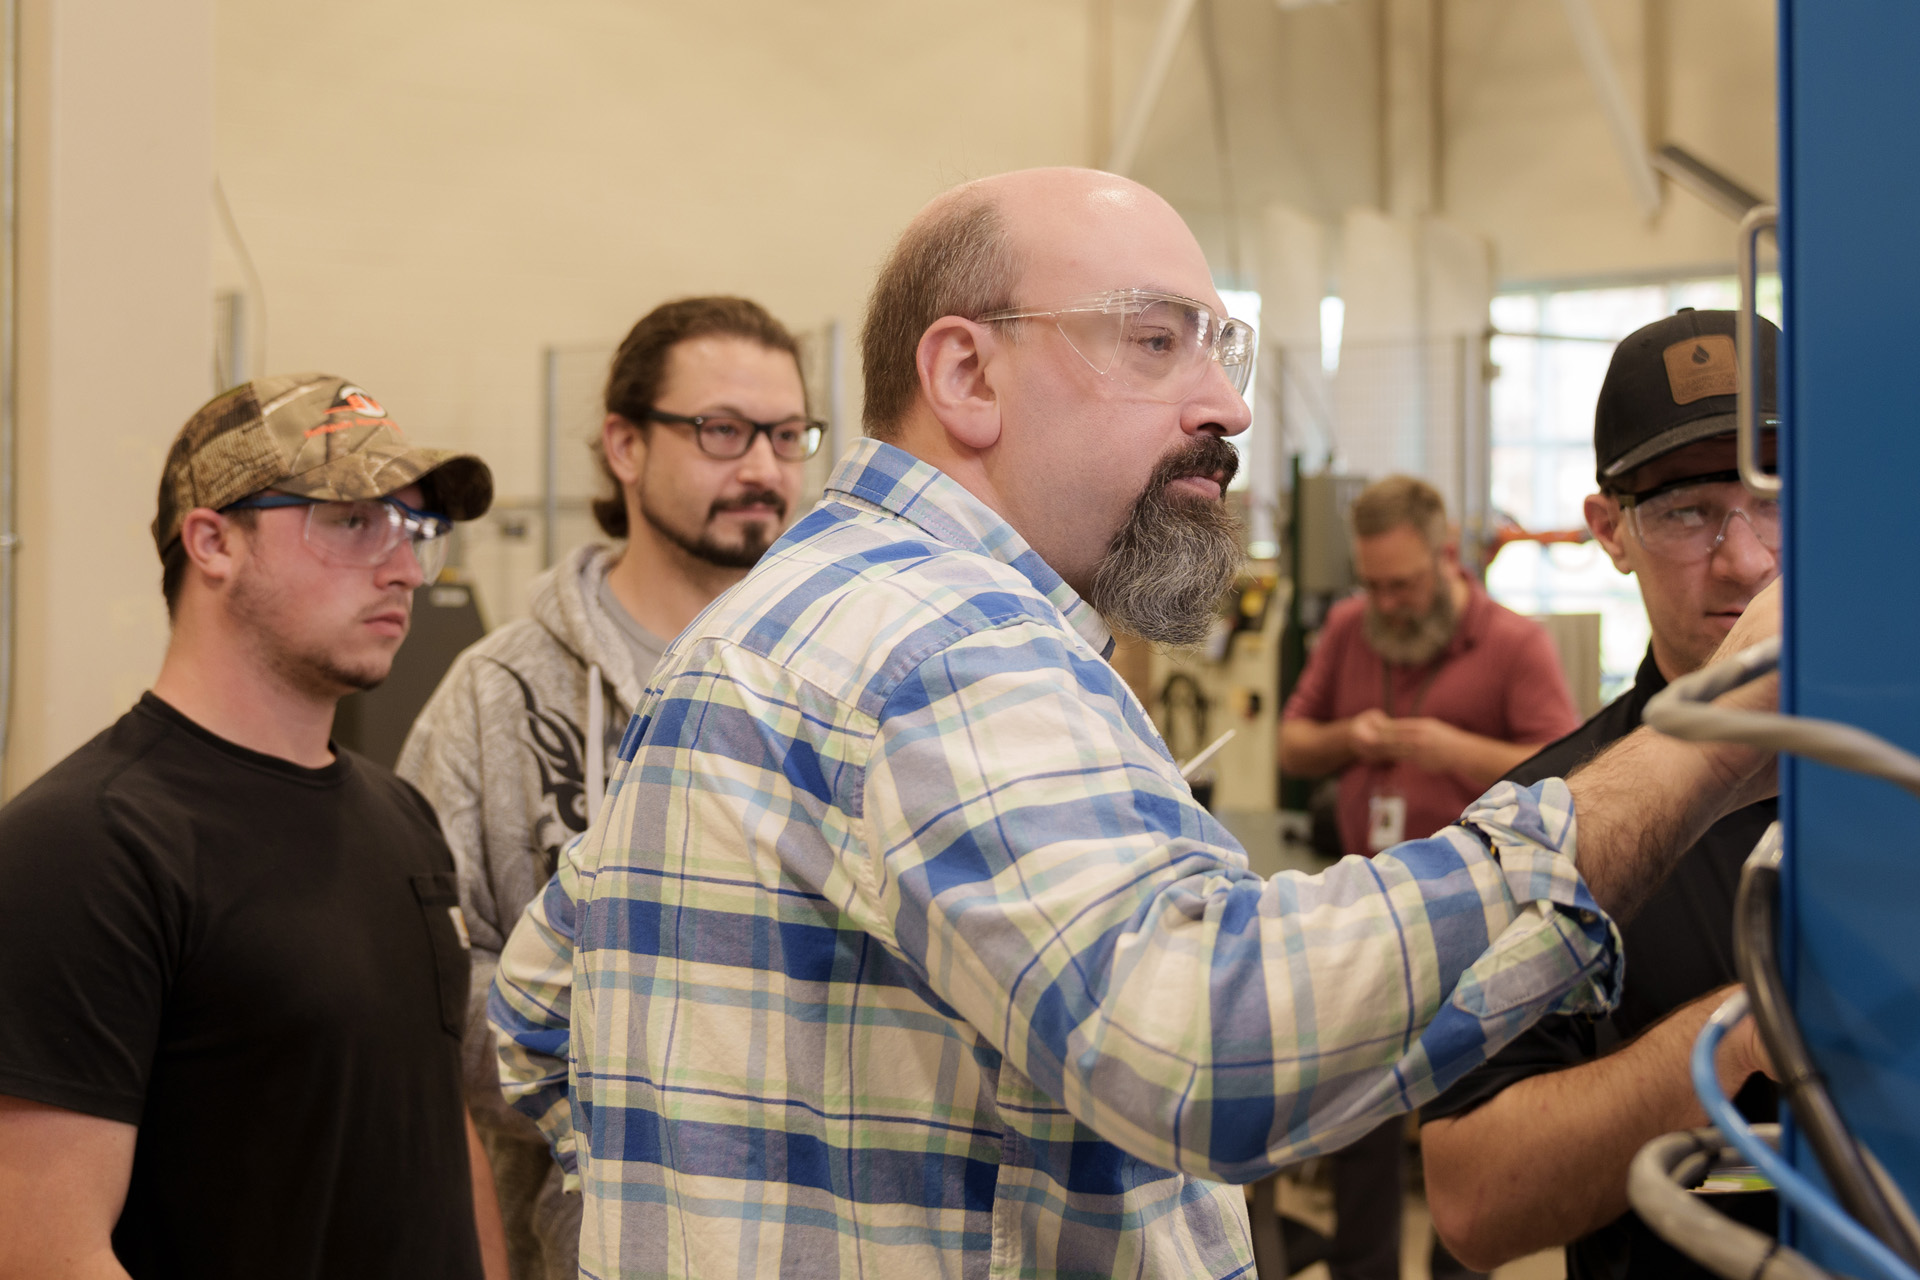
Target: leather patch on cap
1701, 367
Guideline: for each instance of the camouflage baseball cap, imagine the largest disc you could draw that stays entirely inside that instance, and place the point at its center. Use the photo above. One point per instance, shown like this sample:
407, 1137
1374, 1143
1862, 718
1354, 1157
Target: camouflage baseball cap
309, 434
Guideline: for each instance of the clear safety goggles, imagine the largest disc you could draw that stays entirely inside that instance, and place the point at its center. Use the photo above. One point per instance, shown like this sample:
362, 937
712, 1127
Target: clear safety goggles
361, 535
1159, 344
1687, 521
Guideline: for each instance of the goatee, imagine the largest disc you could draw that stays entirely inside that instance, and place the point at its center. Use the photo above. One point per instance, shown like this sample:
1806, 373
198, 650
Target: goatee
755, 538
1414, 642
1177, 554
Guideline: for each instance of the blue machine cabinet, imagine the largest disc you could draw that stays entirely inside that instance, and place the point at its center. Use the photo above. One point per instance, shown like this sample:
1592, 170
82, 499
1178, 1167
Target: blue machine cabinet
1850, 243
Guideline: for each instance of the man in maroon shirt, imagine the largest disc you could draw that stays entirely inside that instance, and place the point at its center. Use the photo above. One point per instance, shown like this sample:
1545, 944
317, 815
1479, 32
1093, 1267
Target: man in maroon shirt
1422, 692
1420, 695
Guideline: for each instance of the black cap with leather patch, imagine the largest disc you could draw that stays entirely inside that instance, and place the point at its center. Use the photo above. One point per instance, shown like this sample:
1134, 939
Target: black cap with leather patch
1672, 383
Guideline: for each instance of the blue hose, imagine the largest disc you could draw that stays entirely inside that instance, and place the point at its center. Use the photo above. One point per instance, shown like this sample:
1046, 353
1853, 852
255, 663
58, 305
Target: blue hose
1792, 1185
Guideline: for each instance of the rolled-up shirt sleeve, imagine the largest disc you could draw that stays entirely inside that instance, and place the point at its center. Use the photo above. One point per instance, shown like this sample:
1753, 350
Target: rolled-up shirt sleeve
530, 1010
1041, 863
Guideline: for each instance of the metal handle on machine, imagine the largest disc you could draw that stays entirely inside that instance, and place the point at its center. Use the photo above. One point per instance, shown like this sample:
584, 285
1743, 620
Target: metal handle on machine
1762, 483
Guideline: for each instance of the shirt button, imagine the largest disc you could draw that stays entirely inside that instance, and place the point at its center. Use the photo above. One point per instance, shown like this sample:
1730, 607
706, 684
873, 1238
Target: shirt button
1588, 917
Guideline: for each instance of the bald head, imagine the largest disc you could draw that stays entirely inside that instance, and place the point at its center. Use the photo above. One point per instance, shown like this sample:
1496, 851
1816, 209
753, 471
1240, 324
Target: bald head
1025, 239
1080, 231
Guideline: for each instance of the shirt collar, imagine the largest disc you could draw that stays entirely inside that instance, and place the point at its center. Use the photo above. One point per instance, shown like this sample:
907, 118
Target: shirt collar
890, 478
1649, 676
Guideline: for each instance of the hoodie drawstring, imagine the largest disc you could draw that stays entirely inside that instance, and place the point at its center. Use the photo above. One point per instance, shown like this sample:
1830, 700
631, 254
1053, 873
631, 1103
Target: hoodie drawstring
596, 744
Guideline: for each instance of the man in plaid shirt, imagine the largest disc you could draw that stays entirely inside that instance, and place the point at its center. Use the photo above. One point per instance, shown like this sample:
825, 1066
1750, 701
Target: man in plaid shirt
900, 948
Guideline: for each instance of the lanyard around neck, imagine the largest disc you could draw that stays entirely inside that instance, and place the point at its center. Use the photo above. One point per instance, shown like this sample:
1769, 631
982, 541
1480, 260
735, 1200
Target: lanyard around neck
1419, 695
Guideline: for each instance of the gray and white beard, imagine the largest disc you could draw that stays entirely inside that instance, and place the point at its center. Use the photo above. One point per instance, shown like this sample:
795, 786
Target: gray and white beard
1424, 641
1175, 557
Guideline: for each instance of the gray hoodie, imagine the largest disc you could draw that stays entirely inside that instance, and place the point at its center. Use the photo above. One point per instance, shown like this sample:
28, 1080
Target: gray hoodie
500, 751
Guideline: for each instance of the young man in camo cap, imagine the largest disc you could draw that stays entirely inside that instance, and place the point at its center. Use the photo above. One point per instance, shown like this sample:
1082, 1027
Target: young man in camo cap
234, 974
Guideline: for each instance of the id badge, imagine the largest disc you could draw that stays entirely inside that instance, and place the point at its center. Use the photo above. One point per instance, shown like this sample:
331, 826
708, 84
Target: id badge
1386, 822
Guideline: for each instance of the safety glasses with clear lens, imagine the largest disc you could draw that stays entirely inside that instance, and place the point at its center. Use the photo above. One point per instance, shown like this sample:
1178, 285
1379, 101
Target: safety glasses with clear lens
361, 535
1159, 344
1687, 520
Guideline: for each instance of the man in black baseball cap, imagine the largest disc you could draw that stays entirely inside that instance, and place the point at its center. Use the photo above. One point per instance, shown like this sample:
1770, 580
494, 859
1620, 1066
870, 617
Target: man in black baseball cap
1531, 1150
1664, 448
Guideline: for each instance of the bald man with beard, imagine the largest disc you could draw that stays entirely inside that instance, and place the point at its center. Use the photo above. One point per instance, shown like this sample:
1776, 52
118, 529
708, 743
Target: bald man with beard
900, 948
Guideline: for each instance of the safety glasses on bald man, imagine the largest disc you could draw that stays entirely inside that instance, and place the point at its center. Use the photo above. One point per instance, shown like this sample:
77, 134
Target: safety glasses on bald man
1159, 344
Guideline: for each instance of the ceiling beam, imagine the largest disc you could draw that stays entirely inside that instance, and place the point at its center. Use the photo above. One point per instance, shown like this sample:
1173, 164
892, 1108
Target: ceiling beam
1153, 78
1705, 181
1628, 137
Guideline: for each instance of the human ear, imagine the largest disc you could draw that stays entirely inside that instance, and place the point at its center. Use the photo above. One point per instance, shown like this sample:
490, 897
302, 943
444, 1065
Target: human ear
625, 448
1608, 523
209, 540
952, 360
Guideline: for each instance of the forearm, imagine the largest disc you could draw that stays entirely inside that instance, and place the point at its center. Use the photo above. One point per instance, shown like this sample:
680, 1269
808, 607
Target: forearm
1313, 749
1545, 1161
486, 1209
1648, 798
1645, 801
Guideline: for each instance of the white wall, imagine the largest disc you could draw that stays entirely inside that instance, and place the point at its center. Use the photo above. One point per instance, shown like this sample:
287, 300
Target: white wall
116, 164
435, 191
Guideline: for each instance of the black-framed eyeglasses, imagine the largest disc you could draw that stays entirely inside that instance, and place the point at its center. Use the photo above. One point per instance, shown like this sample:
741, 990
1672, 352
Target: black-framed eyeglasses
361, 535
721, 435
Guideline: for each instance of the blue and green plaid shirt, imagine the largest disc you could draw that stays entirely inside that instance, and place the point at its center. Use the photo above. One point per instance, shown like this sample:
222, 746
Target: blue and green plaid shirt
900, 948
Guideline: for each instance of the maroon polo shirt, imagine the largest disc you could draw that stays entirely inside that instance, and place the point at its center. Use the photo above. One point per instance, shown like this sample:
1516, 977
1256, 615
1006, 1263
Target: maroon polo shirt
1498, 677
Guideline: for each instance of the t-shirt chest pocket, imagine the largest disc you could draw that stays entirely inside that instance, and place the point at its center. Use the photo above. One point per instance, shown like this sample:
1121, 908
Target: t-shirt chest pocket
438, 894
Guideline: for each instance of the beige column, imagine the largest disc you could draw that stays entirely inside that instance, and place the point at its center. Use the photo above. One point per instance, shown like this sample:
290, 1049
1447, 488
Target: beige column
116, 165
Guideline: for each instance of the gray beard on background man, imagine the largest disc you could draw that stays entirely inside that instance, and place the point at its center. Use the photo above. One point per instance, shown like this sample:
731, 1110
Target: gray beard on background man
1414, 642
1171, 562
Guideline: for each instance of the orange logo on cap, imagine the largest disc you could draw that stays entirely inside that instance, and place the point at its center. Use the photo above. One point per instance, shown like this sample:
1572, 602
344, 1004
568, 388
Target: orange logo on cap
352, 407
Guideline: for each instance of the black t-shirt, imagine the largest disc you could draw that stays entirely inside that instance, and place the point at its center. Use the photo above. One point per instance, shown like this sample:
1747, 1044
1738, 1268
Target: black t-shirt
1679, 947
256, 964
